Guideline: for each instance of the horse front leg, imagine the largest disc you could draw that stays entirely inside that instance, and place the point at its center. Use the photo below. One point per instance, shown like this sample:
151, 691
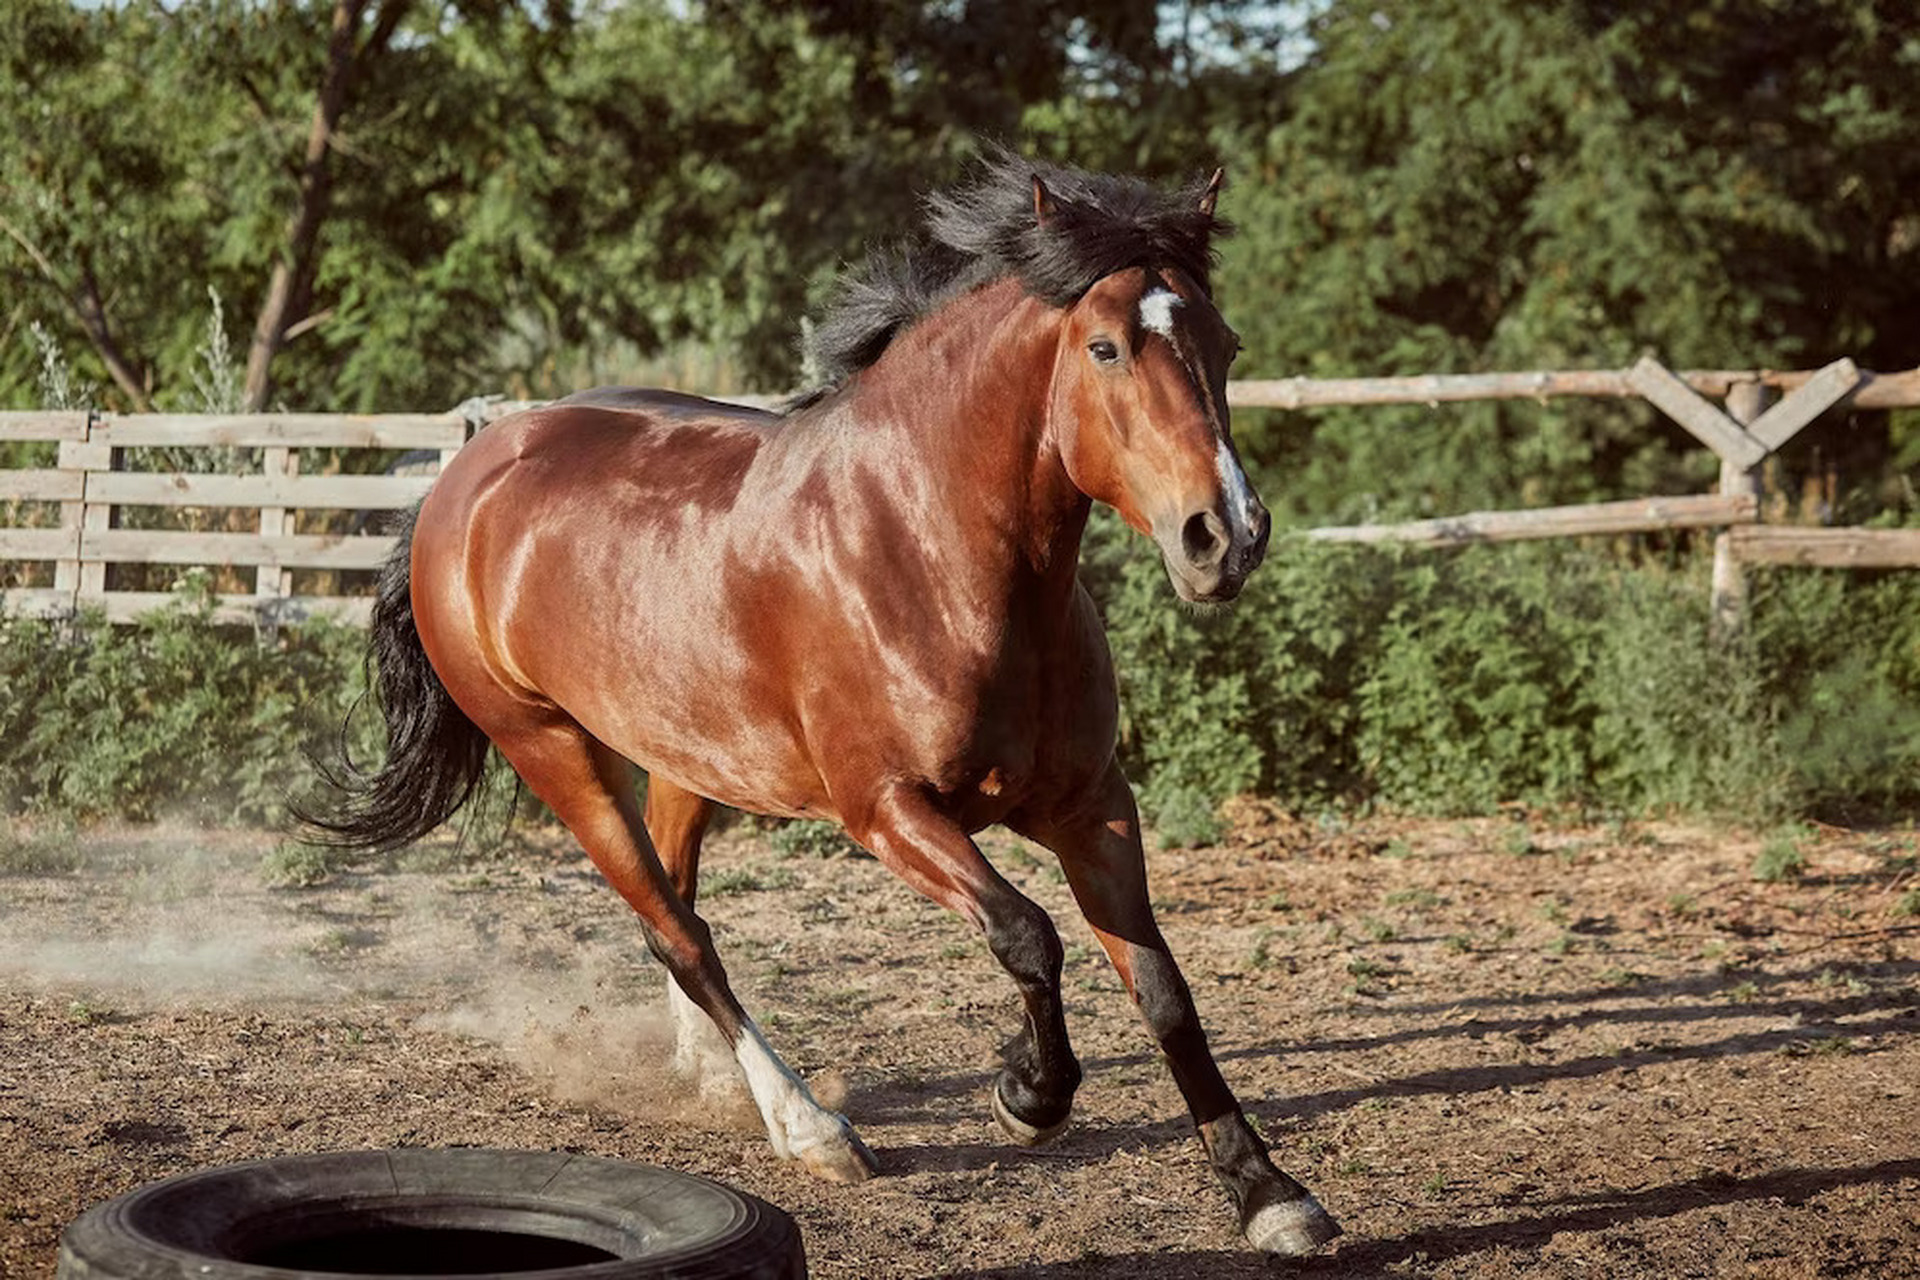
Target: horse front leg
1098, 843
1033, 1095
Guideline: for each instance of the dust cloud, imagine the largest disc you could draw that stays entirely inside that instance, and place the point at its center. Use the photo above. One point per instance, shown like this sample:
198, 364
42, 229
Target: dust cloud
558, 980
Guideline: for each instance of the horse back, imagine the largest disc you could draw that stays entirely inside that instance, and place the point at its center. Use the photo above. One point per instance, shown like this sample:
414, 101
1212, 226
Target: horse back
661, 403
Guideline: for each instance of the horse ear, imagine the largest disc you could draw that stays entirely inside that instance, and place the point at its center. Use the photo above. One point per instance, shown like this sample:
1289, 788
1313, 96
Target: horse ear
1043, 205
1212, 196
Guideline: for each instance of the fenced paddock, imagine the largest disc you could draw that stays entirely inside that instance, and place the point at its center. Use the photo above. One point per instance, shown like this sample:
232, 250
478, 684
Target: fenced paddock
247, 494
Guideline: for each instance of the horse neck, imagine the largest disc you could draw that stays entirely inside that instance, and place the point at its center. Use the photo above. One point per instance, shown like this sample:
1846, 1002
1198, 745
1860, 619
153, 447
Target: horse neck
986, 440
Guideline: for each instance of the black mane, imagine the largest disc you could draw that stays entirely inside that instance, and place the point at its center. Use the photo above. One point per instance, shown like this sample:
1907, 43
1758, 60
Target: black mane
985, 230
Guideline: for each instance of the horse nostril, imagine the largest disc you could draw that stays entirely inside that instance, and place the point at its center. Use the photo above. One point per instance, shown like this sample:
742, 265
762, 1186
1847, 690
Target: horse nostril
1262, 525
1204, 539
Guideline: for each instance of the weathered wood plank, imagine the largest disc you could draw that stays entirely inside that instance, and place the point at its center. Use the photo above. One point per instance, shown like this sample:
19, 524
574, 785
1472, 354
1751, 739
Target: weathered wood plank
41, 485
66, 571
1746, 404
1826, 548
270, 579
43, 424
296, 430
95, 514
37, 544
179, 489
131, 606
1636, 515
84, 455
1303, 393
287, 551
1804, 403
36, 602
1875, 390
1704, 421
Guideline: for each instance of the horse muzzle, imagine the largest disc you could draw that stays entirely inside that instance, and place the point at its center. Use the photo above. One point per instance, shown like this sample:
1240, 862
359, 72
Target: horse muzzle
1209, 554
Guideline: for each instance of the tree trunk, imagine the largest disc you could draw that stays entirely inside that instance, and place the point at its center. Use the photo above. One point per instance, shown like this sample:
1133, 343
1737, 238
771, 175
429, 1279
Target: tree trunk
91, 312
290, 286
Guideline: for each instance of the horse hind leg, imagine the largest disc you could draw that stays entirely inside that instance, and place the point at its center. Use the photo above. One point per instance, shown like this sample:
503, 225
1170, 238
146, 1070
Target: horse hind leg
590, 787
677, 820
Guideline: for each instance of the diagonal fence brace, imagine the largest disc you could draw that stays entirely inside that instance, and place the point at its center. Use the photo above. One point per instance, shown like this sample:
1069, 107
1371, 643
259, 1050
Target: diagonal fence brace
1698, 415
1804, 403
1743, 447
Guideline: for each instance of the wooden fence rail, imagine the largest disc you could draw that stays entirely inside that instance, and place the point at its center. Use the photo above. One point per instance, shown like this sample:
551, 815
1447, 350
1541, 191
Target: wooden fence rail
248, 469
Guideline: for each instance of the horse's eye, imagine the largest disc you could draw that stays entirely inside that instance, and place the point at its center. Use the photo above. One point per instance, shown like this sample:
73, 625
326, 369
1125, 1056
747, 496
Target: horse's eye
1103, 351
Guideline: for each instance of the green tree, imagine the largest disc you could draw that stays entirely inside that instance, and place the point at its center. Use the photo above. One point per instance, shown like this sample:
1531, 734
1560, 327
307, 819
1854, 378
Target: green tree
413, 200
1519, 185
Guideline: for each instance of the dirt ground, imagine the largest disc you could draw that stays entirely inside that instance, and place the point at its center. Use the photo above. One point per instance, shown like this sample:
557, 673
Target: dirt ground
1493, 1048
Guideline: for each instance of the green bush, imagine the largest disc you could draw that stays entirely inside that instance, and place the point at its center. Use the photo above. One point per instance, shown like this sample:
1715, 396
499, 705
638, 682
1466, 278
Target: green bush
1841, 655
1478, 690
176, 713
1681, 720
1553, 675
1557, 674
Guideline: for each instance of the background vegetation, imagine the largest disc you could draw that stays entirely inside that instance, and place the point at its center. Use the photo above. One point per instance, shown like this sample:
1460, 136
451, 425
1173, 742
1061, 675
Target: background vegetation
397, 204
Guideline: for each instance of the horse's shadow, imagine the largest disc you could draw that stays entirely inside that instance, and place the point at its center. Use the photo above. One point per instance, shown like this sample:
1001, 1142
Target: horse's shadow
1355, 1257
1099, 1143
1797, 1022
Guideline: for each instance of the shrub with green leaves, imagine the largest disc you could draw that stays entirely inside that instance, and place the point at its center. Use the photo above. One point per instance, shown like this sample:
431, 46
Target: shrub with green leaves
1345, 676
175, 713
1547, 674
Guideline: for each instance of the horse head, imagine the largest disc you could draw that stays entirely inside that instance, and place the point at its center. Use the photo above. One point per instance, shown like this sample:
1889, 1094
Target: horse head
1139, 411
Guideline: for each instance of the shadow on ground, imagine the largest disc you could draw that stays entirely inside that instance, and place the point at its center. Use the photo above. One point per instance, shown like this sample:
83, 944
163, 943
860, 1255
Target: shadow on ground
1360, 1257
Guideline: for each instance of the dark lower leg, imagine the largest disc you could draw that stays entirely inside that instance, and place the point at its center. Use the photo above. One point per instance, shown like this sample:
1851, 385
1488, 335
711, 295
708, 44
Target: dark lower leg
1034, 1094
1275, 1211
1041, 1074
1099, 848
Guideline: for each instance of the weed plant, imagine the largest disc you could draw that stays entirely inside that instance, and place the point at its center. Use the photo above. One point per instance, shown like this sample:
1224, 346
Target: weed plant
175, 715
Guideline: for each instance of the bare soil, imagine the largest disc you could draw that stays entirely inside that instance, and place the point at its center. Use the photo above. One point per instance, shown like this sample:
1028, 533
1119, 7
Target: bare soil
1493, 1048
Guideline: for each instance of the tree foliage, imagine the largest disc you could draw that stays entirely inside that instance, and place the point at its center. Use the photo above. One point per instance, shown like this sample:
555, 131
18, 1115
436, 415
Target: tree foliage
525, 195
1465, 186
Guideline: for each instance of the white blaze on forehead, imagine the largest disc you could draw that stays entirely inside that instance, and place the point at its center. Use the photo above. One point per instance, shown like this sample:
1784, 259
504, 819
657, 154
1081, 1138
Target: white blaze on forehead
1156, 311
1234, 489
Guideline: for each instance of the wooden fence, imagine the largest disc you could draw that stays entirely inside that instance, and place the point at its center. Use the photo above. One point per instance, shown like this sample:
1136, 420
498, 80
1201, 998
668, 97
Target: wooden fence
97, 495
75, 520
1750, 428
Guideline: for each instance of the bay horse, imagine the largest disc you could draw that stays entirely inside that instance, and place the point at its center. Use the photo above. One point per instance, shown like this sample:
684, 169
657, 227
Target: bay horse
864, 607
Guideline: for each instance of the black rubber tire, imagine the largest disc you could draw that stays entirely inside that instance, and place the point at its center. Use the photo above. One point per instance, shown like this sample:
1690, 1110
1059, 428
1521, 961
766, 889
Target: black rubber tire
527, 1213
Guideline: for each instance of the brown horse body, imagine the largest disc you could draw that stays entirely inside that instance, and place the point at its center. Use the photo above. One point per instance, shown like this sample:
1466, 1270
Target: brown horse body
795, 614
866, 609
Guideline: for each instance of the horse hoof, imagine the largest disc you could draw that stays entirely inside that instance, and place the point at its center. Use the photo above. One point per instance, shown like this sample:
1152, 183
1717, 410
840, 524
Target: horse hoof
846, 1163
1291, 1227
1019, 1130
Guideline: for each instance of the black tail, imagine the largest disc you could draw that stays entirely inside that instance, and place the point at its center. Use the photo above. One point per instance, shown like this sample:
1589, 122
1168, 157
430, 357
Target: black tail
435, 755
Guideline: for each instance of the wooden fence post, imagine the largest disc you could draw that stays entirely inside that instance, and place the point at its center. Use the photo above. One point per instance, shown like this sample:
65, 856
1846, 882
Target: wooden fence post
271, 580
66, 573
90, 457
1746, 401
